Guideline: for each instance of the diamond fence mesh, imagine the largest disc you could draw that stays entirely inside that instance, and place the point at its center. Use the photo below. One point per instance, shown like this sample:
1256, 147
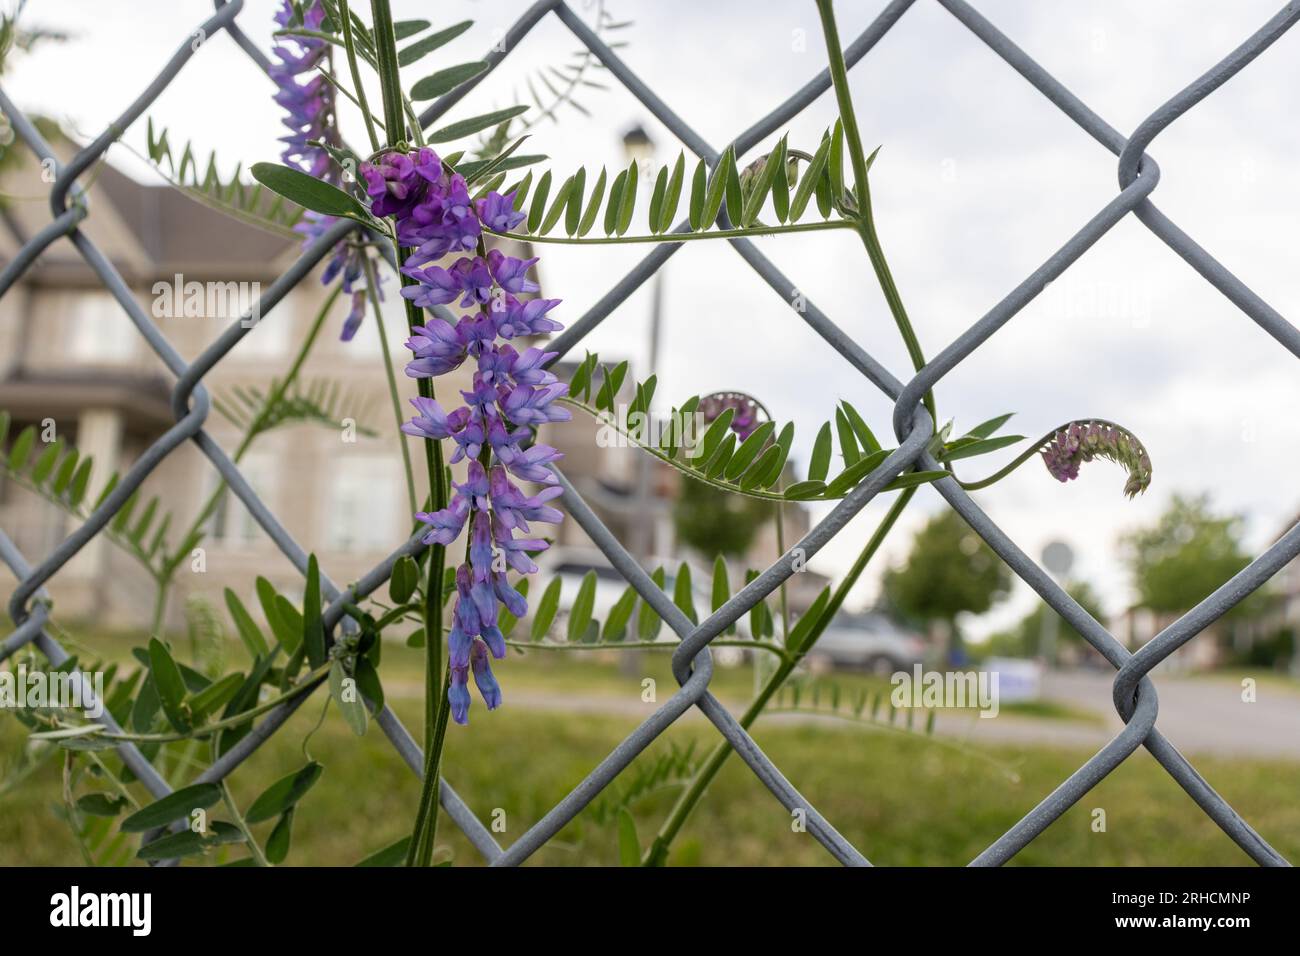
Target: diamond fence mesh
1134, 694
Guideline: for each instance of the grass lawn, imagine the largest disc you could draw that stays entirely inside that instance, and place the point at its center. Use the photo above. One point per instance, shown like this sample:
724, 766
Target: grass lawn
903, 800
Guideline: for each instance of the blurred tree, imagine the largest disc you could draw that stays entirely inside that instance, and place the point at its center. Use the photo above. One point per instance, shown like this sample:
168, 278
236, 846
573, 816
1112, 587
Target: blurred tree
949, 571
715, 522
1022, 639
1185, 555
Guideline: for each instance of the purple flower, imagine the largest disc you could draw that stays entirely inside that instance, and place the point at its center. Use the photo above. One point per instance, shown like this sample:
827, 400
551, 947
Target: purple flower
745, 411
530, 465
511, 273
525, 405
439, 348
487, 683
458, 695
511, 393
498, 212
515, 509
525, 318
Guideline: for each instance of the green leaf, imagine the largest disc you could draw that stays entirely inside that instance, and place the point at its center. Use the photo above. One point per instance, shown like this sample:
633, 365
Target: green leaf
538, 209
749, 450
309, 192
803, 490
394, 855
985, 429
673, 196
616, 621
627, 202
593, 204
169, 684
798, 638
283, 794
22, 447
277, 844
614, 205
835, 161
404, 29
313, 630
580, 613
189, 843
821, 455
174, 806
573, 207
544, 616
981, 447
851, 475
444, 81
629, 847
45, 462
753, 203
648, 621
248, 631
348, 699
101, 804
717, 464
475, 124
848, 444
812, 175
864, 435
657, 199
725, 168
682, 595
721, 585
699, 187
426, 45
404, 580
714, 434
558, 206
215, 695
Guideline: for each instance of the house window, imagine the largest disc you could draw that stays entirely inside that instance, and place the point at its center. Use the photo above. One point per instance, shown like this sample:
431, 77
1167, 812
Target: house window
231, 524
363, 503
102, 332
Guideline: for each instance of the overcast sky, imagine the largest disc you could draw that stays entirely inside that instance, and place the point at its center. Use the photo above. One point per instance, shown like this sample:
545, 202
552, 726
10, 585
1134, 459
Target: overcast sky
979, 180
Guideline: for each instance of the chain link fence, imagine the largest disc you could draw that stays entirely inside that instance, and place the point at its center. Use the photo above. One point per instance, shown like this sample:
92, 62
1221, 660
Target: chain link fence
1134, 694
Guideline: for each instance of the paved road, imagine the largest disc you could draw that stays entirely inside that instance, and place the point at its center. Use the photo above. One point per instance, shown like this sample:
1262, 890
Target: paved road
1199, 715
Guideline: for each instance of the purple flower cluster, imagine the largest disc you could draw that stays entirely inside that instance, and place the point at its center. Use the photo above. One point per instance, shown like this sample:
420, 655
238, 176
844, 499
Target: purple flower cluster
511, 392
309, 115
1081, 442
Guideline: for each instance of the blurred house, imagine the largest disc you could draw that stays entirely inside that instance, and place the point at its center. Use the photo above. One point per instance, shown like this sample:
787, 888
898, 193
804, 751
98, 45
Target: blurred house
73, 365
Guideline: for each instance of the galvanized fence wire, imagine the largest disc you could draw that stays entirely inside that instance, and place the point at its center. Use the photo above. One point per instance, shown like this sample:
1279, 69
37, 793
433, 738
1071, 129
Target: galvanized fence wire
1134, 694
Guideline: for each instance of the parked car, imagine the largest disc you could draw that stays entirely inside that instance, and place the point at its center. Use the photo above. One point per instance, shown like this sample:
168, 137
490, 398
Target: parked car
869, 641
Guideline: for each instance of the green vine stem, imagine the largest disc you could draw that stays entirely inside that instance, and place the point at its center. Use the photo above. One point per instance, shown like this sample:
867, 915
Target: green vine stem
657, 853
675, 237
372, 293
436, 672
867, 223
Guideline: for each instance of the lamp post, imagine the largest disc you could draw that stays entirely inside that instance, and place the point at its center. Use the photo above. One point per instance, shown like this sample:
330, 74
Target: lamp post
638, 147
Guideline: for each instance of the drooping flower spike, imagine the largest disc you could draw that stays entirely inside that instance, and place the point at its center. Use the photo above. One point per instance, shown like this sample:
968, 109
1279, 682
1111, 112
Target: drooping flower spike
510, 393
308, 101
745, 411
1080, 442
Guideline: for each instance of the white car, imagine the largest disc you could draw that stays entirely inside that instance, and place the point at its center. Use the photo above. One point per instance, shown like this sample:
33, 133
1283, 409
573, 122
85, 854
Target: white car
869, 641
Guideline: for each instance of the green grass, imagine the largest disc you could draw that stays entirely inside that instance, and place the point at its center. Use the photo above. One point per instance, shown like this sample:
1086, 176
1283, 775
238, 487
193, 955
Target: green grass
903, 800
